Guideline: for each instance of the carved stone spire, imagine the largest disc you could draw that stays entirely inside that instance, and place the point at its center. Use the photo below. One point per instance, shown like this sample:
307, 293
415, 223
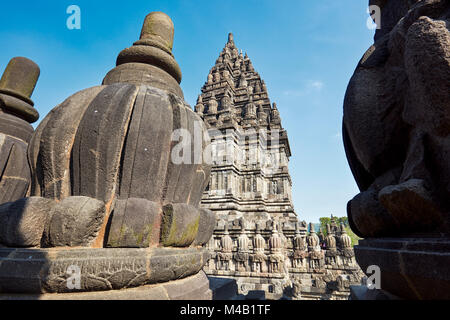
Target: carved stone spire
200, 107
250, 112
237, 78
230, 38
212, 105
243, 82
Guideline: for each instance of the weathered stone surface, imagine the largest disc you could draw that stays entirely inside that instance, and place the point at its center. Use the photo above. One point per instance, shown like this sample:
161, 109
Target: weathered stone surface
397, 138
206, 227
150, 60
16, 110
191, 288
135, 223
250, 191
180, 225
104, 157
411, 268
396, 108
49, 162
114, 142
73, 222
99, 141
14, 169
391, 13
13, 126
22, 222
365, 211
47, 270
140, 73
222, 288
411, 205
18, 81
143, 170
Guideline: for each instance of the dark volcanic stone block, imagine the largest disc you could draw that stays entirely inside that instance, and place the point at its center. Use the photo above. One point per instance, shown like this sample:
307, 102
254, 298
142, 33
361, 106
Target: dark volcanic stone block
61, 138
99, 141
135, 223
46, 270
14, 170
16, 110
411, 268
75, 221
206, 227
180, 225
191, 288
146, 156
22, 222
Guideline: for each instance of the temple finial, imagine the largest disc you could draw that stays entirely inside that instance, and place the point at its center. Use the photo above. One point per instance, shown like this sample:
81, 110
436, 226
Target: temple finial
158, 27
18, 82
153, 49
230, 38
20, 77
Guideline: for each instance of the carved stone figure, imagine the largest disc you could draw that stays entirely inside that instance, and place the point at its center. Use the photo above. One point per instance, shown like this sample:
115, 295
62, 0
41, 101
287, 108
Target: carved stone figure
226, 102
396, 132
297, 289
212, 105
264, 87
250, 109
275, 114
210, 78
262, 116
257, 87
397, 125
217, 76
243, 82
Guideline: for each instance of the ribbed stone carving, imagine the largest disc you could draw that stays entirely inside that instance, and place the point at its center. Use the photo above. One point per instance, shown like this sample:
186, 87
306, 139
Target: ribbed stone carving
103, 161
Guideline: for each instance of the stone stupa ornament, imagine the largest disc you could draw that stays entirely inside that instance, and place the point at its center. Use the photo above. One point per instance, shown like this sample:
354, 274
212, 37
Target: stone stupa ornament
105, 203
16, 113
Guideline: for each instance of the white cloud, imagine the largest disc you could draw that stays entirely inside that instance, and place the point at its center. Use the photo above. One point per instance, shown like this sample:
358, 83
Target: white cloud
318, 85
311, 86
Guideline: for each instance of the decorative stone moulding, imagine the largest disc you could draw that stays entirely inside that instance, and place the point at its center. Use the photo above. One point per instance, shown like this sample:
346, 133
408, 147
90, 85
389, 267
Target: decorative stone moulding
103, 182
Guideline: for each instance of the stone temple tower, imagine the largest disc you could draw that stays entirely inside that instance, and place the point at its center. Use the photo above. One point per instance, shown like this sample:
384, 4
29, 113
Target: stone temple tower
250, 176
250, 186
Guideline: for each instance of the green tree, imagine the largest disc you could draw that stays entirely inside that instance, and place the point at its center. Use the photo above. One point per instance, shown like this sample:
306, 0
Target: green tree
325, 220
323, 224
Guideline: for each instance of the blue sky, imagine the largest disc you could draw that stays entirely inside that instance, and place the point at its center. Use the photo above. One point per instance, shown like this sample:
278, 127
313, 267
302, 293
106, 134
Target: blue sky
306, 51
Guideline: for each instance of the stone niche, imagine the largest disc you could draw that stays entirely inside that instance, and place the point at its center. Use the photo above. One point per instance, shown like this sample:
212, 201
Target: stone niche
102, 213
396, 133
